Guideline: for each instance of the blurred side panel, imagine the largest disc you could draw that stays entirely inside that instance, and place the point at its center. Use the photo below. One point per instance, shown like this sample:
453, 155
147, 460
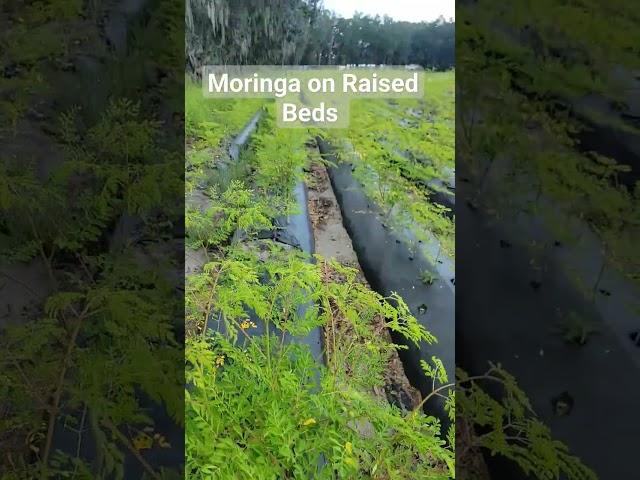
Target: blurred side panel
548, 228
91, 239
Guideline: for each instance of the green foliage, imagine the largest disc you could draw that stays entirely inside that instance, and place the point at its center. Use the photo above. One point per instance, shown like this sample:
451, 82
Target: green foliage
84, 346
261, 405
427, 277
397, 148
269, 409
83, 362
208, 121
273, 421
236, 208
250, 205
279, 158
115, 166
210, 125
512, 428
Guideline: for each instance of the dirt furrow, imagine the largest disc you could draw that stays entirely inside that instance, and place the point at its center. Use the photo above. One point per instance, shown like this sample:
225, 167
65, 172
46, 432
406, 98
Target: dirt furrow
333, 242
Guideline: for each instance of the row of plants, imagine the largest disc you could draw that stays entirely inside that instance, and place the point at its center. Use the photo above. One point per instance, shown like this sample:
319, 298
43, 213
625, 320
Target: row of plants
267, 409
506, 92
397, 148
208, 132
261, 406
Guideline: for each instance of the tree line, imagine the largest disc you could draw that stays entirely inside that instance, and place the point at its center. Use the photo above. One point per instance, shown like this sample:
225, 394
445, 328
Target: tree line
293, 32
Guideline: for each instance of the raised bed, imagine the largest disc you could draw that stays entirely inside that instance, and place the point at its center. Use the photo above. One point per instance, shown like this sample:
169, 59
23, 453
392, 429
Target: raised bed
521, 332
390, 266
195, 259
363, 425
292, 230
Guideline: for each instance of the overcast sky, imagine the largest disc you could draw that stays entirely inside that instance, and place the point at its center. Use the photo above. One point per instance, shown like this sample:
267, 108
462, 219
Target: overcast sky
408, 10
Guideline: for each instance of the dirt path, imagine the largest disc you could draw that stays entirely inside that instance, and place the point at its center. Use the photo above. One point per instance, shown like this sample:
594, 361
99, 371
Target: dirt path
333, 242
331, 238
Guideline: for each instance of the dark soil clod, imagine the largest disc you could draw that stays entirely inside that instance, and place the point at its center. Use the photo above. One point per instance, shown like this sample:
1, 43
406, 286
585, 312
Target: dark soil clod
505, 244
604, 292
535, 285
396, 395
635, 337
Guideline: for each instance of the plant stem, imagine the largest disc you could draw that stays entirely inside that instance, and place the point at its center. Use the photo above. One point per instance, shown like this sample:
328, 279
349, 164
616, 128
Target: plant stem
53, 413
125, 441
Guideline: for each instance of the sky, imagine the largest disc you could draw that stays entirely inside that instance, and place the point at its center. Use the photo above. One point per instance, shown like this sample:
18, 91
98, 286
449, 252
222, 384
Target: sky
407, 10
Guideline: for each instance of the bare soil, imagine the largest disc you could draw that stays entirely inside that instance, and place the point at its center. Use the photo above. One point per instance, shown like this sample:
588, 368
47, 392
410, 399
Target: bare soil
333, 242
470, 464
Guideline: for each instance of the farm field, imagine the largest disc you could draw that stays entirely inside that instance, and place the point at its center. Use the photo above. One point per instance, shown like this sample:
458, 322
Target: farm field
320, 301
292, 359
404, 154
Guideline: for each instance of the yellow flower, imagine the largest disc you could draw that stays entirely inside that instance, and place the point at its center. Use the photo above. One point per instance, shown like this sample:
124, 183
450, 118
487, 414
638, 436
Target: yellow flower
309, 421
219, 360
348, 447
247, 324
142, 442
351, 461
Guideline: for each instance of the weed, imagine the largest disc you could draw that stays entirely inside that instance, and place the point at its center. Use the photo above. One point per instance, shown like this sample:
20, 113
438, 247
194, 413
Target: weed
427, 277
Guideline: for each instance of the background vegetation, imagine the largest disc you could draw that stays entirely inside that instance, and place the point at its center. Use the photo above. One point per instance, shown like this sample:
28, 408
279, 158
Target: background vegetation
292, 32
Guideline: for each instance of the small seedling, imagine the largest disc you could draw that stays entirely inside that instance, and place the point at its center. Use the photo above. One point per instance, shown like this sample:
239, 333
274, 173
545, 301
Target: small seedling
575, 329
427, 278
